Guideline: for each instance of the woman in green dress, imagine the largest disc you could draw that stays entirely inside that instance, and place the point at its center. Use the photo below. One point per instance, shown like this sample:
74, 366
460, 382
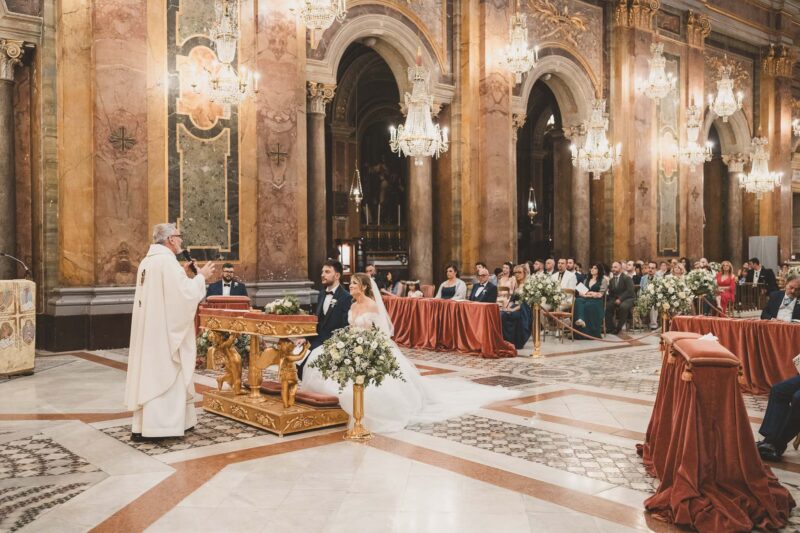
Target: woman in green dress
589, 311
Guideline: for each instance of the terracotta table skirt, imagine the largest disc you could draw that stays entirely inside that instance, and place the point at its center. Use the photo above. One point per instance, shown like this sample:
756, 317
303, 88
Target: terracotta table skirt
765, 348
466, 327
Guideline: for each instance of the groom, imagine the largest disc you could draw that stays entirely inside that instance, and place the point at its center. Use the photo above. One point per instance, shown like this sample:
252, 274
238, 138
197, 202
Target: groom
332, 307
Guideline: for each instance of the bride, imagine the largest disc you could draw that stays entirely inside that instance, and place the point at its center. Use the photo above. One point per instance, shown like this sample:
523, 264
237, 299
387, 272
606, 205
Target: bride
396, 404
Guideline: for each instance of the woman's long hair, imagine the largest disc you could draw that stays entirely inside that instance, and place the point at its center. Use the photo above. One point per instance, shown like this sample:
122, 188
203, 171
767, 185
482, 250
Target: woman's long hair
366, 284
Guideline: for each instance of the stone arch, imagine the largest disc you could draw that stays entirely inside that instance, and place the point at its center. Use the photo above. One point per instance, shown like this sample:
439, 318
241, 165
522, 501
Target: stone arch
395, 41
734, 135
570, 83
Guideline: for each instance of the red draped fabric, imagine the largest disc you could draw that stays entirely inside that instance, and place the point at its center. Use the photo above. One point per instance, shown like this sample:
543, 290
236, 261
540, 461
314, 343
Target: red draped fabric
465, 327
765, 348
712, 478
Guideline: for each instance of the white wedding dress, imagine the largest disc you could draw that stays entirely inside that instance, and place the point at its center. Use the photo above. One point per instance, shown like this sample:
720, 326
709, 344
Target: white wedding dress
396, 404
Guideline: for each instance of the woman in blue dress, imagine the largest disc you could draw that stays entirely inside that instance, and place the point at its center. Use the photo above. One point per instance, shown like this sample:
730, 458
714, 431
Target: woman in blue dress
453, 288
589, 310
516, 315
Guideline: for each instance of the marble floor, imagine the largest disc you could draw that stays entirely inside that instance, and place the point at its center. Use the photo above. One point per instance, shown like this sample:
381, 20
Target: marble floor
560, 457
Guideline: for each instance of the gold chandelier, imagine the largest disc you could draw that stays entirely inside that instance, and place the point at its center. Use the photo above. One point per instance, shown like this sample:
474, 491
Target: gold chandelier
225, 86
658, 83
518, 57
319, 15
725, 103
759, 180
596, 155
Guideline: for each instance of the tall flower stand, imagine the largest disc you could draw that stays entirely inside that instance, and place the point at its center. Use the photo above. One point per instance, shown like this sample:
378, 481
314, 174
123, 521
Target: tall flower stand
664, 321
537, 338
358, 432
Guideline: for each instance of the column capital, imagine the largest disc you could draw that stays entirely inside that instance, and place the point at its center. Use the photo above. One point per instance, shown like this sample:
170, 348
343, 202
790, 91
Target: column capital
735, 162
779, 61
517, 121
574, 132
637, 14
698, 27
11, 52
319, 95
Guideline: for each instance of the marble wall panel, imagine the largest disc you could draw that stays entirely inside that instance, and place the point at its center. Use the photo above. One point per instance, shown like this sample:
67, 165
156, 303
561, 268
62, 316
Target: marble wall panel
668, 237
27, 7
23, 164
120, 139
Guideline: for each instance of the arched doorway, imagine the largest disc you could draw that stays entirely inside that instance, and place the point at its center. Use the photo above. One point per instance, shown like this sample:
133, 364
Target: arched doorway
716, 231
365, 106
542, 159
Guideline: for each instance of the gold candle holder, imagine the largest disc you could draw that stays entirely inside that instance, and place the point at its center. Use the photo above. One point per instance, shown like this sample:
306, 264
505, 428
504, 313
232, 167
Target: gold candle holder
358, 432
537, 339
664, 321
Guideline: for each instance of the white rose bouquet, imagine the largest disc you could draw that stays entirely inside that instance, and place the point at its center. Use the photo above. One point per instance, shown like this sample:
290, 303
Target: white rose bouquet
288, 305
541, 289
665, 293
715, 267
357, 355
794, 270
701, 282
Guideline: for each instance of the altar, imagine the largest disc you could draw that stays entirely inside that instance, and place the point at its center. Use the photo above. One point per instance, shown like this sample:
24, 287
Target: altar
286, 410
17, 326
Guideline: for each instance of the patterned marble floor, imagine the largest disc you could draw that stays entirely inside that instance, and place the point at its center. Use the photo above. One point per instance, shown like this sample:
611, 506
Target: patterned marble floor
563, 459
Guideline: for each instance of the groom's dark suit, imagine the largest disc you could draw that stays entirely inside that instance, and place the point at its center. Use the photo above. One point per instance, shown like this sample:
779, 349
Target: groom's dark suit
327, 323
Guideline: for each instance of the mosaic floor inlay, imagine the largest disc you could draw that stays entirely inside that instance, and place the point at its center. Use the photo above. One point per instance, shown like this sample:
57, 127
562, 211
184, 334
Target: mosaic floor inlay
20, 506
39, 455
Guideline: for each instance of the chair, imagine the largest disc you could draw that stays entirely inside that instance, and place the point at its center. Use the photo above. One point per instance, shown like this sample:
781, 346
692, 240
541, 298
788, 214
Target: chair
567, 315
428, 291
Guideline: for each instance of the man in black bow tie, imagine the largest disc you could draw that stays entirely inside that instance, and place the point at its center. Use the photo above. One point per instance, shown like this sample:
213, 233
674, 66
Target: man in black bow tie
227, 286
483, 290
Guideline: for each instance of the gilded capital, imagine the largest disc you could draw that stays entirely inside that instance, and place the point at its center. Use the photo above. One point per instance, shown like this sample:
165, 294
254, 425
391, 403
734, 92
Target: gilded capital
735, 162
11, 52
319, 95
517, 121
698, 27
636, 13
574, 132
779, 62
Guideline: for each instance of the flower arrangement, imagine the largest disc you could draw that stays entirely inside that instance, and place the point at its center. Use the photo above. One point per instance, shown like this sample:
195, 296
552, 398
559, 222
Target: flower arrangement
541, 289
288, 305
359, 356
794, 271
242, 346
665, 293
701, 282
715, 267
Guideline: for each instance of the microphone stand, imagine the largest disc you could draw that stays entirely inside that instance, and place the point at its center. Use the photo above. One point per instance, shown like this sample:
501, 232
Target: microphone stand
28, 274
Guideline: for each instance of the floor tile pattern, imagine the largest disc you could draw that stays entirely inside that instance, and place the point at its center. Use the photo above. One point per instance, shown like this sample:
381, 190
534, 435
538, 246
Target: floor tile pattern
210, 429
39, 455
20, 506
503, 381
596, 460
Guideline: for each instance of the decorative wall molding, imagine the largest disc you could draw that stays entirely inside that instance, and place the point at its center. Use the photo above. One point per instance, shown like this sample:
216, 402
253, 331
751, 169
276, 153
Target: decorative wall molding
19, 26
779, 61
698, 27
636, 13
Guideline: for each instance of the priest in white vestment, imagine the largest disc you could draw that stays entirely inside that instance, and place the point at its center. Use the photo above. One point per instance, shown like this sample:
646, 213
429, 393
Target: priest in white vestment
161, 361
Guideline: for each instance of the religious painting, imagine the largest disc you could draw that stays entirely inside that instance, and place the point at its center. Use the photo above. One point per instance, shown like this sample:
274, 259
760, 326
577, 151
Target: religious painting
203, 140
6, 335
668, 236
7, 300
28, 331
26, 300
383, 177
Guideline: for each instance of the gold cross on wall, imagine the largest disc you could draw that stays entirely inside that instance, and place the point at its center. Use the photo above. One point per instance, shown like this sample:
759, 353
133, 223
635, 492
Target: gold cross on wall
121, 140
643, 188
277, 155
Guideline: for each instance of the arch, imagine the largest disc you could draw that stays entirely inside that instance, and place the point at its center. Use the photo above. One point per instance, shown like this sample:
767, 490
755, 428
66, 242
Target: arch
396, 43
734, 135
570, 83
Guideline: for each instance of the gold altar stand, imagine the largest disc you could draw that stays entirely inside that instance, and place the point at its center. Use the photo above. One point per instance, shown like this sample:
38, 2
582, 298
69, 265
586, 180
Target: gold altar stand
17, 326
279, 415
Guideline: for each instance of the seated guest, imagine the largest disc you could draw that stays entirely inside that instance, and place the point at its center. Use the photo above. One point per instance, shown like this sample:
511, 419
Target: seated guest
227, 286
453, 288
663, 269
782, 305
506, 278
761, 276
538, 266
620, 299
483, 290
412, 289
550, 266
782, 419
580, 275
516, 317
637, 274
567, 280
503, 297
678, 270
392, 287
589, 306
479, 265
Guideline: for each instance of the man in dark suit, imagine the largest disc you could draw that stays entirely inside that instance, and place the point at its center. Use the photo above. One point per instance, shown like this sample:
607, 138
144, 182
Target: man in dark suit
761, 276
483, 290
619, 299
783, 305
332, 307
227, 286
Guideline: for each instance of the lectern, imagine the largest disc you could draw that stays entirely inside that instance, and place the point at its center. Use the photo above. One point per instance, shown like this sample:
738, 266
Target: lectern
17, 326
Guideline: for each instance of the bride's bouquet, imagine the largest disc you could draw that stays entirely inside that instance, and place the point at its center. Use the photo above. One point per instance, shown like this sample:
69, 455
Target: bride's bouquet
359, 356
541, 289
701, 281
288, 305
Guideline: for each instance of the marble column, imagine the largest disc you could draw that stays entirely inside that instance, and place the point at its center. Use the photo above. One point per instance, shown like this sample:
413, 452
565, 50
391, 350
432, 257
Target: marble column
319, 95
517, 121
734, 215
579, 225
10, 55
420, 221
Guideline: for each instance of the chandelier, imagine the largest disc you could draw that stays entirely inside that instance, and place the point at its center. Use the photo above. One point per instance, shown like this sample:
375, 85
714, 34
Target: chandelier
759, 180
319, 15
725, 103
796, 127
596, 155
533, 209
419, 137
518, 57
225, 32
229, 89
693, 154
658, 84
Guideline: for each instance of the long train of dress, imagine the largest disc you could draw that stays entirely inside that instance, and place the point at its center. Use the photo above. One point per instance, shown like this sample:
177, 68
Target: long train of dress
396, 403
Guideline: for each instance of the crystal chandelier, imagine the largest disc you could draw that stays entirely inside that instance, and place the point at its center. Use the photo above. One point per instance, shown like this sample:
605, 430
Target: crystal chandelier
533, 209
518, 57
759, 180
796, 127
319, 15
726, 103
658, 84
229, 89
419, 137
693, 154
225, 32
596, 155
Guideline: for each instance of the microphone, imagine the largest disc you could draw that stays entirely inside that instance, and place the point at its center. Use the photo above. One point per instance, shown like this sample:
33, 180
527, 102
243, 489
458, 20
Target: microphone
28, 273
187, 257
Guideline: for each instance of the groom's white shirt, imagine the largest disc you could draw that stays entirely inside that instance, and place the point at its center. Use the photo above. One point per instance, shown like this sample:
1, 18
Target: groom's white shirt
326, 304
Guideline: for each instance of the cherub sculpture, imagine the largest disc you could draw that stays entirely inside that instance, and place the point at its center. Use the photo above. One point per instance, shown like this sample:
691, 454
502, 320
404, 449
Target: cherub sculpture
232, 358
287, 370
